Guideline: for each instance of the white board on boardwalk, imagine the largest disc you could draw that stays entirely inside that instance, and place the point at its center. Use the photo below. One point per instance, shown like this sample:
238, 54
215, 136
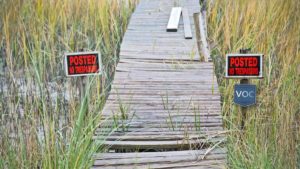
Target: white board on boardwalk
174, 19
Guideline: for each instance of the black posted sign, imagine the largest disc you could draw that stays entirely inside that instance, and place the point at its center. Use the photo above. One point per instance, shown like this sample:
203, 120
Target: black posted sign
244, 65
82, 64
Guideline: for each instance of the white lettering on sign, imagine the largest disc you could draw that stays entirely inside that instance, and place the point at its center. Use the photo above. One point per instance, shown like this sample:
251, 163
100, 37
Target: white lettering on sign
245, 93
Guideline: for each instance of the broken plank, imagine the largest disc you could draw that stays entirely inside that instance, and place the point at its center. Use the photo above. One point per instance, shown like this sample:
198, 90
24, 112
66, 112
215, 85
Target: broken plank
184, 144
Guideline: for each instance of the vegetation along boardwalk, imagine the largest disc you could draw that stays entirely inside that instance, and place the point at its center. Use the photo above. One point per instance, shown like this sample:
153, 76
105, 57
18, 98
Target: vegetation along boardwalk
164, 100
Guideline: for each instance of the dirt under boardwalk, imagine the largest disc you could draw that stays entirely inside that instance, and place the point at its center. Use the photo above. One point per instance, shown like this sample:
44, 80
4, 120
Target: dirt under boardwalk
164, 100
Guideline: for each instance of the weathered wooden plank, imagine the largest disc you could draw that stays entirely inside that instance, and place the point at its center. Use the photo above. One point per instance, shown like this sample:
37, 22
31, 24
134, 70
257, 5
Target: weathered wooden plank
167, 122
153, 112
176, 106
164, 100
172, 104
184, 144
161, 113
170, 133
204, 46
163, 92
190, 56
106, 156
178, 75
161, 130
167, 125
174, 19
198, 164
166, 91
187, 24
147, 93
156, 137
161, 98
188, 66
170, 115
159, 105
154, 85
144, 118
161, 78
182, 158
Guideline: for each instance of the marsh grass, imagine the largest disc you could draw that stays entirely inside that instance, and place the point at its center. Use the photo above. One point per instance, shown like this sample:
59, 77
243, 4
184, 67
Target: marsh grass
44, 123
197, 117
123, 118
173, 111
271, 27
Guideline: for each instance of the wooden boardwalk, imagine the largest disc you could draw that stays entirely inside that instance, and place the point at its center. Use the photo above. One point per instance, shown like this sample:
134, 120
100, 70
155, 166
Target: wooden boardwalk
164, 100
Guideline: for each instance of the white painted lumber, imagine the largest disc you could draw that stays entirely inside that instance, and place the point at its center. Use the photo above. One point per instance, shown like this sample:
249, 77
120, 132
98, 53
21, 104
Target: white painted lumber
174, 19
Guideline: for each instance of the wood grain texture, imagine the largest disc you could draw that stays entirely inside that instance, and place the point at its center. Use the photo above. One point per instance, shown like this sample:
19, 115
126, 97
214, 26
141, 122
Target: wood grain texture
187, 24
162, 98
177, 159
203, 36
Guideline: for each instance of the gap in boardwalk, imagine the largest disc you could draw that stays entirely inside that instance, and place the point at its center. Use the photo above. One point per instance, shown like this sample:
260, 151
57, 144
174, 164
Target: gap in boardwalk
200, 146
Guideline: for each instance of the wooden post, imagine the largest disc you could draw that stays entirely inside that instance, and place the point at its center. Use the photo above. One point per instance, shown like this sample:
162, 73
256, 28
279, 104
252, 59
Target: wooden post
244, 109
244, 81
82, 85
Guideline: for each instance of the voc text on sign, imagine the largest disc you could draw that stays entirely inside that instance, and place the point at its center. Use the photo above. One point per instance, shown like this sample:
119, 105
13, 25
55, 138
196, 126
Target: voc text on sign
83, 63
244, 94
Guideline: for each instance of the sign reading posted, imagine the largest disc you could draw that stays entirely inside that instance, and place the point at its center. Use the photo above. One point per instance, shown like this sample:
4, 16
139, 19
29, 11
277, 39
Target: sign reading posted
244, 65
82, 63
